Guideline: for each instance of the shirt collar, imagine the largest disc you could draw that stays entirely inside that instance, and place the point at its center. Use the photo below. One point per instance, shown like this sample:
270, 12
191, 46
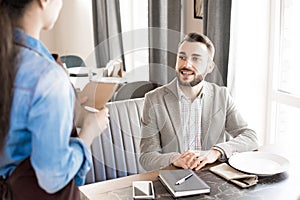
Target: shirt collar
182, 95
23, 39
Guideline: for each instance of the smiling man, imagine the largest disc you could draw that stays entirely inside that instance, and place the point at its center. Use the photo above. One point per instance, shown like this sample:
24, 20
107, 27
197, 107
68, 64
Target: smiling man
189, 122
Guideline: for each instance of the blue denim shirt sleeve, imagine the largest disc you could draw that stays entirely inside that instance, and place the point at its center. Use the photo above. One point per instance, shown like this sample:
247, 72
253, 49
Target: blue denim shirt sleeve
85, 167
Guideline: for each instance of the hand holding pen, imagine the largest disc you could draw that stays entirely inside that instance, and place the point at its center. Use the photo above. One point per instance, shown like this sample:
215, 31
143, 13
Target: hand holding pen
94, 122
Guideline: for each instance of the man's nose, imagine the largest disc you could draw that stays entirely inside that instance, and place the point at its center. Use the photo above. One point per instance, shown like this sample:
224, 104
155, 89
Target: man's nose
188, 63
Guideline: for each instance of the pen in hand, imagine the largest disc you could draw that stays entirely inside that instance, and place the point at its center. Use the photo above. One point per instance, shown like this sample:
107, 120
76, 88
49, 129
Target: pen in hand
184, 179
91, 109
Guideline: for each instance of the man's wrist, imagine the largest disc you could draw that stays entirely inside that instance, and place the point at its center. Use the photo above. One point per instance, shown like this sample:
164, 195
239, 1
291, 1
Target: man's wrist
174, 158
222, 158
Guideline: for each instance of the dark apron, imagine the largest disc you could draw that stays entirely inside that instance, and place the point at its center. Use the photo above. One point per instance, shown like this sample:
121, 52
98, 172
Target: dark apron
22, 185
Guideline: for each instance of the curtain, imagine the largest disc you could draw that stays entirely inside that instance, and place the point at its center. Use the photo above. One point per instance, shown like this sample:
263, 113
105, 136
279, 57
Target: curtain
248, 72
107, 32
216, 25
164, 36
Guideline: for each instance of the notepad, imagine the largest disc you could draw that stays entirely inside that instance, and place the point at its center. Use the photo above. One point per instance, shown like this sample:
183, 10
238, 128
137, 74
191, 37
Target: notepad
192, 186
99, 92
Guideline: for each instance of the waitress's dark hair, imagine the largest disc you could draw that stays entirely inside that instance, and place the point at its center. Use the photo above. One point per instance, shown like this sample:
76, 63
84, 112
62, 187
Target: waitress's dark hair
10, 13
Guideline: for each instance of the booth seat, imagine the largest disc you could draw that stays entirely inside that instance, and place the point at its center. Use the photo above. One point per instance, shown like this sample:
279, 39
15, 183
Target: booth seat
116, 151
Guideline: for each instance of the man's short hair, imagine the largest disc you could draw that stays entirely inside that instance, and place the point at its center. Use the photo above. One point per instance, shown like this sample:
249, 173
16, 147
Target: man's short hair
197, 37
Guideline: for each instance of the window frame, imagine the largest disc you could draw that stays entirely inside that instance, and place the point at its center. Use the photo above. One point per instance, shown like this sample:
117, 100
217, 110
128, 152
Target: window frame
274, 95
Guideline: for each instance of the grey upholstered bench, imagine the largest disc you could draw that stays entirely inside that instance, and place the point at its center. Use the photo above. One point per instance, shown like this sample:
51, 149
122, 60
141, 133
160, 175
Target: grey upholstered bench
116, 151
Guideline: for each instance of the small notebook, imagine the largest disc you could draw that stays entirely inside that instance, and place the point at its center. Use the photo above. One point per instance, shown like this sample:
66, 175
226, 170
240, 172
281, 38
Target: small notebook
99, 92
191, 186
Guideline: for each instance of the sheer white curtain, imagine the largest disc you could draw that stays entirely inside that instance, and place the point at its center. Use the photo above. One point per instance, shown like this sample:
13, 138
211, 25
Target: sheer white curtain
248, 61
134, 22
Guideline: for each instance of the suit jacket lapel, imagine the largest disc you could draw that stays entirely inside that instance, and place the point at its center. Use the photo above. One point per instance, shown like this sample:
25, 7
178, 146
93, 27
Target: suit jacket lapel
172, 104
206, 114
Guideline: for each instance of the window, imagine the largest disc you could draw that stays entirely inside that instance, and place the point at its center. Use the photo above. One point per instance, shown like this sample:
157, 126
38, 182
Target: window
284, 99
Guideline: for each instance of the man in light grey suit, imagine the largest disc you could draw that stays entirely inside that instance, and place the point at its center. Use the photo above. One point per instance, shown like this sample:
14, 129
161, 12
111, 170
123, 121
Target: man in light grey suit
190, 122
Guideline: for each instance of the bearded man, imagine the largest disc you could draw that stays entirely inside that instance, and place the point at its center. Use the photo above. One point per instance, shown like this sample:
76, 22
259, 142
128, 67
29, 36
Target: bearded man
189, 122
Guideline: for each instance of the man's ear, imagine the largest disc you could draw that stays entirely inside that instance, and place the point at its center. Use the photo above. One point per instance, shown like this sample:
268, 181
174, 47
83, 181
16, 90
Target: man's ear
43, 3
211, 66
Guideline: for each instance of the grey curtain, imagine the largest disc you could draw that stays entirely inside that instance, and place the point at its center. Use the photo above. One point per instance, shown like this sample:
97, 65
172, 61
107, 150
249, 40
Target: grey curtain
216, 25
107, 31
164, 36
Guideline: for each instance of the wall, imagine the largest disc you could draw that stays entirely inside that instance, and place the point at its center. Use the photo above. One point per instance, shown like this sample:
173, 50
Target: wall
190, 24
73, 32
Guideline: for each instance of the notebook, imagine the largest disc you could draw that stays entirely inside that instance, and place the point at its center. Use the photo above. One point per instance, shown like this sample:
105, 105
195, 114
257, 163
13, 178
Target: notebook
99, 92
191, 186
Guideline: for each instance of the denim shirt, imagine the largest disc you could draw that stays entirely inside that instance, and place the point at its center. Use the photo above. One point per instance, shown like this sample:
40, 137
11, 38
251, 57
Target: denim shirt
41, 120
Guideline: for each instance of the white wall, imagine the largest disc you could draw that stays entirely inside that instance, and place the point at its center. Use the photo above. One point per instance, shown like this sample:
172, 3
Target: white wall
190, 24
73, 32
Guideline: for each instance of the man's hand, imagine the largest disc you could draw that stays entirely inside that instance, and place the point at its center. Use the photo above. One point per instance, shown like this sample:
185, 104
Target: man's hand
210, 157
192, 160
186, 160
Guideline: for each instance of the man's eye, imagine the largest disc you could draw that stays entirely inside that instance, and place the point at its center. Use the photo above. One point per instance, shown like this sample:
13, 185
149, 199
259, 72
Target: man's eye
182, 57
196, 59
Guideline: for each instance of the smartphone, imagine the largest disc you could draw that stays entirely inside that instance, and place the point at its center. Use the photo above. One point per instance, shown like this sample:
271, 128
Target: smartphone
143, 190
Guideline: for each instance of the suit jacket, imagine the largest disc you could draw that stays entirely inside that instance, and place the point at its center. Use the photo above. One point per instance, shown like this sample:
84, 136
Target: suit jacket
162, 136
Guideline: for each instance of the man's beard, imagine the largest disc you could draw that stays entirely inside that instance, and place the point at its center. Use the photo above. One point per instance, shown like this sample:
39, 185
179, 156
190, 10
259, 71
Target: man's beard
198, 79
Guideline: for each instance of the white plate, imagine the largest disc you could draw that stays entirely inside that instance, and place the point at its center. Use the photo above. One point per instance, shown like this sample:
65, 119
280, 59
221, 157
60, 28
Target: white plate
259, 163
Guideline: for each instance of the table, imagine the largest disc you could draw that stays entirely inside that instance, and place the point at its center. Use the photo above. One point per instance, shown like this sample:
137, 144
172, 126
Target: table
82, 79
277, 187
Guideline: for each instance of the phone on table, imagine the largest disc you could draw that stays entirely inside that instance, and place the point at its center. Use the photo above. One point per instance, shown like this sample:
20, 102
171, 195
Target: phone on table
143, 190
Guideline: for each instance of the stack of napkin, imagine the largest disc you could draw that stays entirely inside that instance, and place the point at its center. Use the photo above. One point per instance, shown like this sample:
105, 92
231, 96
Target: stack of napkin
114, 68
241, 179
